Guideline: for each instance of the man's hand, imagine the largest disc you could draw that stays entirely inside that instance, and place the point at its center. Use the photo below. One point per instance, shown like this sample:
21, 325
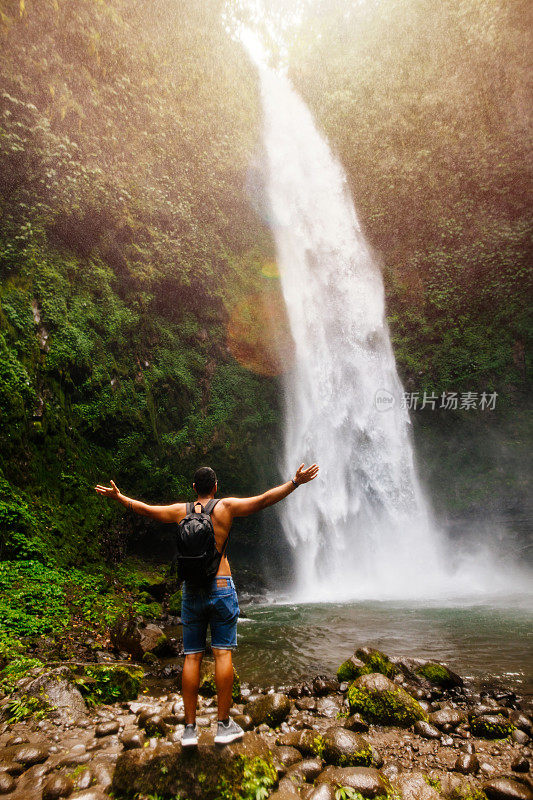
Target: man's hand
306, 475
108, 491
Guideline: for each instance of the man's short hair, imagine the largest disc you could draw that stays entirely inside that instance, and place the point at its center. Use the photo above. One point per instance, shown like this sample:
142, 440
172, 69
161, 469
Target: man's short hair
204, 480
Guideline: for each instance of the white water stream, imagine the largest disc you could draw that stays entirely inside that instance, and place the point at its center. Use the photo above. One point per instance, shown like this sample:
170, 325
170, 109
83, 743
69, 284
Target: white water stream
363, 528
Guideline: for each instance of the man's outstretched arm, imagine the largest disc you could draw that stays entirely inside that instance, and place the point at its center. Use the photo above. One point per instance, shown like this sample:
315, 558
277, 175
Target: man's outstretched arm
243, 506
161, 513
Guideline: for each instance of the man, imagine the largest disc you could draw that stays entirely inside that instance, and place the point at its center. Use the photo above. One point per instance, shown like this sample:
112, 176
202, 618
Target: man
217, 604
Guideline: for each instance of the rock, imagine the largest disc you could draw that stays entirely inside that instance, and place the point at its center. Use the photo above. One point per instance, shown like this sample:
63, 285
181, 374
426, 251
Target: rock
381, 701
26, 754
438, 675
94, 793
57, 786
506, 789
55, 689
169, 770
83, 779
155, 725
323, 685
131, 740
355, 722
520, 764
287, 755
207, 681
344, 748
446, 716
368, 781
107, 728
520, 737
426, 729
351, 669
467, 764
245, 721
306, 770
413, 786
7, 783
376, 661
271, 709
328, 707
138, 640
521, 721
324, 791
306, 704
491, 727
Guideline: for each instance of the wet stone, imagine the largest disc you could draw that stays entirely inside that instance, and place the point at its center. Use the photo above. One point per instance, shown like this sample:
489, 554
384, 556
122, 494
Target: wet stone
467, 764
520, 764
57, 786
287, 755
507, 789
7, 783
426, 729
131, 740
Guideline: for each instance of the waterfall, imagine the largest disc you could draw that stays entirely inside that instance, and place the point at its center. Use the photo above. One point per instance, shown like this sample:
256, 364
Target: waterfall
363, 528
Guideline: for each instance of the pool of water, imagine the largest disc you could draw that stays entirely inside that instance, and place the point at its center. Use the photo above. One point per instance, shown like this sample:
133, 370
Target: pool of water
278, 643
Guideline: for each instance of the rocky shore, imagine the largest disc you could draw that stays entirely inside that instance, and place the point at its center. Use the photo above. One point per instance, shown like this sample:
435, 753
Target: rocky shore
396, 729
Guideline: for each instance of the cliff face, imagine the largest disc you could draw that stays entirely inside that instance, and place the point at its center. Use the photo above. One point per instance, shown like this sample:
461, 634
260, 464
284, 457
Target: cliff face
127, 247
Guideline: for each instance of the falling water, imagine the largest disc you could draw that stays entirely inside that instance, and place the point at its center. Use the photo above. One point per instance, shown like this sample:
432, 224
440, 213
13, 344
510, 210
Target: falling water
363, 528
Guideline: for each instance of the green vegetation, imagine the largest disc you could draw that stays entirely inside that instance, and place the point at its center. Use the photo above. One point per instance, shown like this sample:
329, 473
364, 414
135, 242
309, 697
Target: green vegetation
127, 241
108, 683
251, 779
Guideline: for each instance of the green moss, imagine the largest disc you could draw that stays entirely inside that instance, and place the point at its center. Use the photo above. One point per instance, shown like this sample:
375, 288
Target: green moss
386, 708
376, 661
435, 673
348, 671
483, 727
108, 683
250, 779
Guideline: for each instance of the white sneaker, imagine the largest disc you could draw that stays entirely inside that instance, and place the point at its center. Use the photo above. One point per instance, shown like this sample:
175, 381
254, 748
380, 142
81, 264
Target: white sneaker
228, 733
189, 737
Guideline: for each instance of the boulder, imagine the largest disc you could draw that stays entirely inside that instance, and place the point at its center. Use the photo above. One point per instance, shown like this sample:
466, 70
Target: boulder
55, 689
438, 675
446, 716
351, 669
368, 781
271, 709
328, 707
426, 729
376, 661
306, 770
344, 748
414, 786
355, 722
507, 789
169, 770
138, 639
382, 701
491, 727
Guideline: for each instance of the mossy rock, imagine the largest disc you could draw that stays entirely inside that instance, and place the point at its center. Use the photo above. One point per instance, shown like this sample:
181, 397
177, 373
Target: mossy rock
376, 661
108, 683
381, 701
239, 770
351, 669
174, 604
208, 686
438, 675
344, 748
491, 727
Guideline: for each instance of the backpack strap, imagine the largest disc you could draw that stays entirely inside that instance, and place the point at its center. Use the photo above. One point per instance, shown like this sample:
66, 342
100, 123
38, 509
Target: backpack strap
209, 506
189, 508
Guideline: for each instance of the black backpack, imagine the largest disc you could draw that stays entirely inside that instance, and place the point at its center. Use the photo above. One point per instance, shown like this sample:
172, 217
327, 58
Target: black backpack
197, 557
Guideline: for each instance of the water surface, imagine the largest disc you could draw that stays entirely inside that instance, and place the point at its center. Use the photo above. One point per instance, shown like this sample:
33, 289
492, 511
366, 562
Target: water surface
282, 643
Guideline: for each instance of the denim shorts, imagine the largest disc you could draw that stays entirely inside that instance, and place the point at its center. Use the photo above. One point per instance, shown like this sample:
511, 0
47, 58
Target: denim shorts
216, 606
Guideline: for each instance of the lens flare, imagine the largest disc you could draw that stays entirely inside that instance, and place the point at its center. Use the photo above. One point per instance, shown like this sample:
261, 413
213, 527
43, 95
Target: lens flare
258, 334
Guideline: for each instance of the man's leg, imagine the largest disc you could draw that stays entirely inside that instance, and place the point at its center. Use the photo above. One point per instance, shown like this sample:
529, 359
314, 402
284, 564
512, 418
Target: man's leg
224, 681
190, 681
